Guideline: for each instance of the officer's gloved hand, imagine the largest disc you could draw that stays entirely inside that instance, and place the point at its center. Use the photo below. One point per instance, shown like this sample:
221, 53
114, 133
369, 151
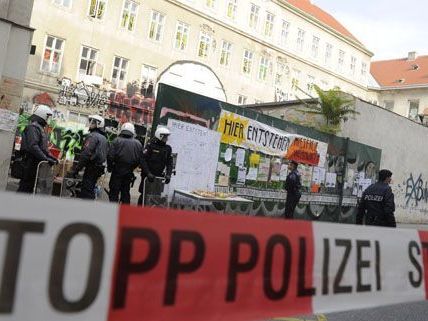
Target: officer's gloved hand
167, 179
151, 177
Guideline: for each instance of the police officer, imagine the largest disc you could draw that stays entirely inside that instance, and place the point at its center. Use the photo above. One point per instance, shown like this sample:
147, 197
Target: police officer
123, 157
34, 148
156, 158
92, 157
292, 186
377, 203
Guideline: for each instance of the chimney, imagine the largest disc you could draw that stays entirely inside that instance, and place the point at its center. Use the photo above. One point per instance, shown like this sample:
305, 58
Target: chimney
412, 55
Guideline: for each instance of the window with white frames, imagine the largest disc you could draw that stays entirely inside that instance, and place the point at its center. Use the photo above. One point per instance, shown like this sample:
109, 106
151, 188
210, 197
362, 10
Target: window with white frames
88, 61
279, 76
310, 83
119, 74
247, 62
63, 3
181, 36
254, 16
284, 32
210, 3
263, 68
204, 44
226, 50
296, 78
328, 53
231, 8
52, 55
413, 109
269, 24
156, 26
300, 39
363, 69
97, 8
242, 100
353, 64
129, 15
389, 104
341, 60
315, 46
148, 76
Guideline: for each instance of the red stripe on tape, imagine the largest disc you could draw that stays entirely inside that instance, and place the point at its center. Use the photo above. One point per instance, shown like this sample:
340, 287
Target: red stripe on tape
423, 235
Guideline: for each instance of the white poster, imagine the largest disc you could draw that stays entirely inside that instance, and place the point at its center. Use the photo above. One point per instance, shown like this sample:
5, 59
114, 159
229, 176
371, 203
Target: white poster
8, 120
197, 148
330, 180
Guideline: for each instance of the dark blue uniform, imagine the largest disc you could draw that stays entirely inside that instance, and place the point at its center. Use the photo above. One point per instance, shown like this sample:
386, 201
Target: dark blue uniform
377, 206
292, 186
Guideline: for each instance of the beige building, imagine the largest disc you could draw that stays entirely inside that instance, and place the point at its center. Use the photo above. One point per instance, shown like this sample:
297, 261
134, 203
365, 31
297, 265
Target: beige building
402, 86
239, 51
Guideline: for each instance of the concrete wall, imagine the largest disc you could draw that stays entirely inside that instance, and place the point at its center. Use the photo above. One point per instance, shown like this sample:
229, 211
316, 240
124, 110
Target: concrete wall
404, 151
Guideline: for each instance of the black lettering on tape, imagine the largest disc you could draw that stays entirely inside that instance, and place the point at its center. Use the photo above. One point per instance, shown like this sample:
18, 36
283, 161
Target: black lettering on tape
269, 291
16, 231
362, 264
302, 290
415, 281
176, 267
126, 267
325, 267
56, 281
337, 288
235, 266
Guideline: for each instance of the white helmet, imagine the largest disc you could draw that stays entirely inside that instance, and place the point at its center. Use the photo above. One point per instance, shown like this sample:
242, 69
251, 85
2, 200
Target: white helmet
43, 112
161, 132
98, 120
128, 127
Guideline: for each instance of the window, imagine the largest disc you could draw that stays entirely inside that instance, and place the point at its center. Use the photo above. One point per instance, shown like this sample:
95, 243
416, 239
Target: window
296, 78
263, 68
226, 49
204, 44
181, 36
97, 8
129, 15
120, 70
88, 61
328, 53
148, 76
310, 83
52, 55
389, 104
269, 24
279, 77
413, 109
156, 26
210, 3
315, 46
324, 84
254, 16
341, 60
231, 9
247, 62
353, 64
363, 69
284, 32
300, 39
242, 100
63, 3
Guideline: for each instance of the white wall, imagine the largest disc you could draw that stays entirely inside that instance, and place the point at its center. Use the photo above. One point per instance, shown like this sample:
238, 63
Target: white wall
404, 151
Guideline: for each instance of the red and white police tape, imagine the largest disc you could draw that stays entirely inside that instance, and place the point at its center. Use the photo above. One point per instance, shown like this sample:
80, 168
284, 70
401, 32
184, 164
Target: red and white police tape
70, 260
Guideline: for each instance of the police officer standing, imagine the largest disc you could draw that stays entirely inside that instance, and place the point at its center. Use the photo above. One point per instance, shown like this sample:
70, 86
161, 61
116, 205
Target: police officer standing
92, 157
377, 203
156, 158
34, 148
123, 157
292, 186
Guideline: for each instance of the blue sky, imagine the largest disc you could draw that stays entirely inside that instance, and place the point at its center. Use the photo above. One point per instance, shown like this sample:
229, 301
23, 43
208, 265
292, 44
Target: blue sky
389, 28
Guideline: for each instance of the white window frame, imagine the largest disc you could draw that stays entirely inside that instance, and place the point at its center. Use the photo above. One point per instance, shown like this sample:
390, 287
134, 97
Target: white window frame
53, 51
253, 20
328, 53
97, 6
280, 72
315, 46
300, 39
247, 62
204, 45
120, 69
389, 104
413, 101
181, 36
296, 77
156, 25
132, 11
269, 22
211, 4
340, 60
89, 60
310, 83
148, 73
61, 3
225, 53
231, 8
285, 29
263, 68
242, 100
363, 69
353, 65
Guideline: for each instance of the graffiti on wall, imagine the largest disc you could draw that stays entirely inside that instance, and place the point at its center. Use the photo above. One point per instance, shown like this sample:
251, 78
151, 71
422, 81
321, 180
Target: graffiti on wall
416, 190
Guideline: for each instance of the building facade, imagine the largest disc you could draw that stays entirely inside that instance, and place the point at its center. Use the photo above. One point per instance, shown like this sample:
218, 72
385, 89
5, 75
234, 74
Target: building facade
239, 51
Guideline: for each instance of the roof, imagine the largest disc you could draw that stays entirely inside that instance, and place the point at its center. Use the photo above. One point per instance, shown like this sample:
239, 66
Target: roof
401, 72
322, 16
